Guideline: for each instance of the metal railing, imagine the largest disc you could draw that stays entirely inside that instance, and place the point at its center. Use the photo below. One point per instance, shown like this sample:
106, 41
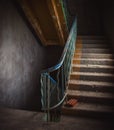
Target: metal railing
54, 80
65, 12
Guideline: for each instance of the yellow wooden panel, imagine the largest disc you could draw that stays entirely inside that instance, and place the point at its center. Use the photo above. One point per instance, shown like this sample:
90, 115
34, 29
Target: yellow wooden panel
47, 19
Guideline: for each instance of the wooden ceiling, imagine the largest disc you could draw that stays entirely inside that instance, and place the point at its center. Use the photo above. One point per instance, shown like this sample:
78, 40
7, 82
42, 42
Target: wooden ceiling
47, 19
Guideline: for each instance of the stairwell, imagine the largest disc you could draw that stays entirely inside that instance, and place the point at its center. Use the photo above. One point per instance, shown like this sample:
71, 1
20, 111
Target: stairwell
91, 81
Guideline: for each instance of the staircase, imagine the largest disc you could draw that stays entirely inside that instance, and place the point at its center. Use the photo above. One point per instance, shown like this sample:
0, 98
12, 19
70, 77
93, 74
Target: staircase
92, 79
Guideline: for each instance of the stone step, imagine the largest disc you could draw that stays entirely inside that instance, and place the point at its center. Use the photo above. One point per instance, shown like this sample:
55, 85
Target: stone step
92, 41
91, 37
91, 97
86, 50
92, 68
90, 61
92, 76
91, 86
89, 110
93, 55
79, 45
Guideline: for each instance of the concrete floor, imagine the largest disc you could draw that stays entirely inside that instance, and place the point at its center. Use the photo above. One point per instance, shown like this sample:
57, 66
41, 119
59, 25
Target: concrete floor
12, 119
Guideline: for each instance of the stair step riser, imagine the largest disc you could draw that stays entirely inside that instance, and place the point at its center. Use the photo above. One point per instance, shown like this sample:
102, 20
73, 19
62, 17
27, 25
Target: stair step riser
85, 113
100, 70
92, 78
91, 46
91, 37
93, 62
91, 88
92, 41
100, 51
93, 56
98, 100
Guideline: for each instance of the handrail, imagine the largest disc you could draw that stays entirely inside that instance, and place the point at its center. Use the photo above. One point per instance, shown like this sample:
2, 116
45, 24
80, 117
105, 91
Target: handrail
54, 80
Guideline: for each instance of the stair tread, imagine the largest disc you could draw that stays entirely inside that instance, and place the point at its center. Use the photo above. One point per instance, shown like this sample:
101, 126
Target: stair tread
92, 45
89, 37
92, 66
87, 40
91, 83
94, 54
91, 41
91, 59
110, 55
91, 107
92, 74
92, 48
90, 94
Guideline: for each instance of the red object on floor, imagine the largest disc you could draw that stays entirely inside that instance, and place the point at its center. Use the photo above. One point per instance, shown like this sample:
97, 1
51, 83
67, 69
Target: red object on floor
71, 103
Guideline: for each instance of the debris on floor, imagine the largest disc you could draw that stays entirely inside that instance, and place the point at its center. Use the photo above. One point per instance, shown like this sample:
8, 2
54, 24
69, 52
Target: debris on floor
71, 103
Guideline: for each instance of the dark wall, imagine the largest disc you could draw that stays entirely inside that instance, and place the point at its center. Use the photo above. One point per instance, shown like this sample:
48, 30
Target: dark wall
88, 14
21, 60
53, 54
108, 18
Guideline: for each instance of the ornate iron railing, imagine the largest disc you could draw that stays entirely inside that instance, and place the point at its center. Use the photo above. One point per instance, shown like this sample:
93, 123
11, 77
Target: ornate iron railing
54, 80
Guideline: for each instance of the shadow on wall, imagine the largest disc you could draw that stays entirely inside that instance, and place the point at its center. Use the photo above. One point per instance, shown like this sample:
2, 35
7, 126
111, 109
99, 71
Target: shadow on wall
88, 14
21, 61
108, 18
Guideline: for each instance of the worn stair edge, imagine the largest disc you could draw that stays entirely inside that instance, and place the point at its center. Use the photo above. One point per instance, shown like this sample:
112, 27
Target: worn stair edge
93, 55
103, 46
91, 86
90, 59
93, 83
104, 95
92, 76
93, 97
89, 109
92, 68
100, 51
90, 37
94, 61
92, 41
